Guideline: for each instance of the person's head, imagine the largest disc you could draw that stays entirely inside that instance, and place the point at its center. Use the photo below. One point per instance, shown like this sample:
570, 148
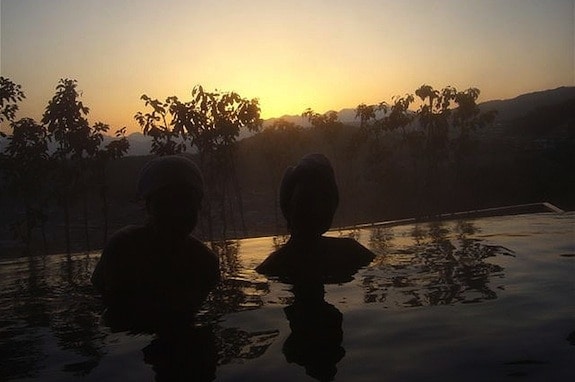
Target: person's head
309, 196
173, 188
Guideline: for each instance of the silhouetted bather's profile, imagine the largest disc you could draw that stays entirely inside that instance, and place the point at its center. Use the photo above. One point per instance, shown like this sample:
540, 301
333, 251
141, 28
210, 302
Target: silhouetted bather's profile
159, 266
308, 200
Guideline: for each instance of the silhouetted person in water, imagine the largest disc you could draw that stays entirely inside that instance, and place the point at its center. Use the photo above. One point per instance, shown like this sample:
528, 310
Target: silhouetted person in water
158, 270
308, 200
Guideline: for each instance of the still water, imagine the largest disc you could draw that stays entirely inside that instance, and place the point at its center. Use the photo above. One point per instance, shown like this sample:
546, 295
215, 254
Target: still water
475, 300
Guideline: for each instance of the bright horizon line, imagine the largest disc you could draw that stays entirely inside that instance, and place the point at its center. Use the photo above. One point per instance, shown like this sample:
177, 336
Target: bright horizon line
133, 126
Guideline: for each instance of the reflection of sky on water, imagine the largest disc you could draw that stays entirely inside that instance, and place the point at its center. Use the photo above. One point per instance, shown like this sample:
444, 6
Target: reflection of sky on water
484, 299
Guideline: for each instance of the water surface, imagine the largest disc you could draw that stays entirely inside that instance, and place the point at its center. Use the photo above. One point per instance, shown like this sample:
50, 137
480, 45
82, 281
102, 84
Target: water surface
478, 299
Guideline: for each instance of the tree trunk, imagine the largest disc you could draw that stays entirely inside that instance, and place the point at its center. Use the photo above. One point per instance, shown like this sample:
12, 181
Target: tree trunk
86, 225
67, 223
105, 212
238, 190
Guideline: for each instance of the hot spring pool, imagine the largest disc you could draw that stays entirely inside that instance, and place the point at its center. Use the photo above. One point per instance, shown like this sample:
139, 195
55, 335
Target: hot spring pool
476, 300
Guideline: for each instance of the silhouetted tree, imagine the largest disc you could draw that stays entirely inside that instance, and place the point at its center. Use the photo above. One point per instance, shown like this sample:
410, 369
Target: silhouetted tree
25, 165
278, 150
448, 117
434, 115
209, 123
166, 140
466, 118
10, 95
116, 149
437, 134
330, 127
450, 110
377, 120
78, 148
65, 119
93, 165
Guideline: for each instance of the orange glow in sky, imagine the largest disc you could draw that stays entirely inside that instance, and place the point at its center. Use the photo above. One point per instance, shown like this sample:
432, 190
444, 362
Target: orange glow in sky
326, 55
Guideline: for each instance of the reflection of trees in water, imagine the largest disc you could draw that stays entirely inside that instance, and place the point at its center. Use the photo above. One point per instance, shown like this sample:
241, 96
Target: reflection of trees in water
183, 353
21, 357
54, 294
46, 294
379, 239
441, 266
238, 291
237, 344
75, 319
279, 241
351, 234
23, 311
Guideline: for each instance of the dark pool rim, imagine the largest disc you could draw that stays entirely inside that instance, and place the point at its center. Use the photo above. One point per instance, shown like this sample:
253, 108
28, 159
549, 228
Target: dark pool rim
517, 209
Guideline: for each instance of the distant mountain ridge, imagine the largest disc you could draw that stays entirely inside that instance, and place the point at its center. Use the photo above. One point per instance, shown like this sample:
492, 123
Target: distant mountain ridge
514, 108
346, 116
508, 110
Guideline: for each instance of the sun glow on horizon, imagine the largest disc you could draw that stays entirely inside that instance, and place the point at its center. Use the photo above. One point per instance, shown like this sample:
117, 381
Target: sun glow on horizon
290, 56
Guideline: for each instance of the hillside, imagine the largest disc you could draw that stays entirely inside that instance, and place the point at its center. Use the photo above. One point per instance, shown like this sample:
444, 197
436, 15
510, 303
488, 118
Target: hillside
526, 156
508, 110
514, 108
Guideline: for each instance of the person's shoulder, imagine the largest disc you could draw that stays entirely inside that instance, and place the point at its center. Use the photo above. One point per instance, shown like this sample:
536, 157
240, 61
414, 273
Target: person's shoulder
274, 263
349, 247
118, 253
128, 233
340, 242
200, 250
127, 237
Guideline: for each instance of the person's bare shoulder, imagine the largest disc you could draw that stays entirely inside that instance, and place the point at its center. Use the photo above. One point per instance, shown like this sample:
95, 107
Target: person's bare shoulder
348, 251
123, 245
126, 237
201, 254
274, 263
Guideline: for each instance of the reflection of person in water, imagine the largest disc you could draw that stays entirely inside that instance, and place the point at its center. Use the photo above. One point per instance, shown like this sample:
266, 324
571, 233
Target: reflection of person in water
316, 333
159, 269
308, 200
187, 353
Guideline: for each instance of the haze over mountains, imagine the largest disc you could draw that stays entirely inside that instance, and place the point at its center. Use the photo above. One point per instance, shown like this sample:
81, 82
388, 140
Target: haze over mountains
508, 110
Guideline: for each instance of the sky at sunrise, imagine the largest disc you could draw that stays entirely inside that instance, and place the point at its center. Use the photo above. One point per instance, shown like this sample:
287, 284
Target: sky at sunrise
291, 55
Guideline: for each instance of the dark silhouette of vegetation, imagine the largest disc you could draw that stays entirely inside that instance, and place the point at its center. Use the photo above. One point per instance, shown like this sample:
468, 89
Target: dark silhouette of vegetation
10, 95
281, 139
438, 133
78, 151
36, 173
418, 155
26, 165
101, 159
65, 119
209, 124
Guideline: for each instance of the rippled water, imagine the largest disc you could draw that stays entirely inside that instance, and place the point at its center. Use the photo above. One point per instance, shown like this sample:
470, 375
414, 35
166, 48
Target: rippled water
485, 299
